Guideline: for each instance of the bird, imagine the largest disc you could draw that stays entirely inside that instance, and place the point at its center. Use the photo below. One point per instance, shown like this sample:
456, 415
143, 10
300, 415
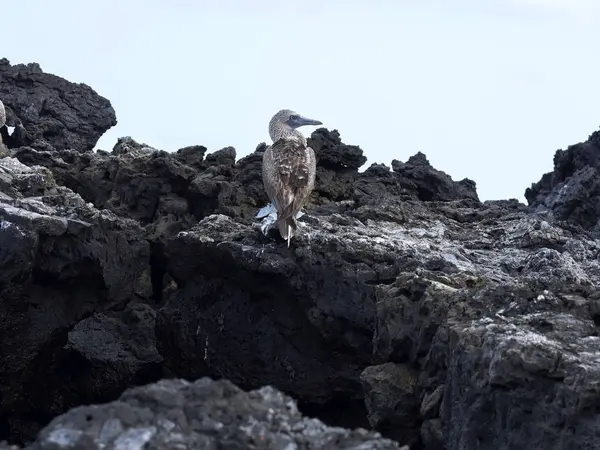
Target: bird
4, 136
2, 114
289, 167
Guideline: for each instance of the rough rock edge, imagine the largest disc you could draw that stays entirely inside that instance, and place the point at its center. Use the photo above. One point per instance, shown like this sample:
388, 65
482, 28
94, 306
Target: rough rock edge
176, 414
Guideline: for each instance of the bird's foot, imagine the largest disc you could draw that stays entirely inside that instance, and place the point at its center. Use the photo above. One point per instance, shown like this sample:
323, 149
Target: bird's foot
270, 209
267, 224
266, 211
268, 214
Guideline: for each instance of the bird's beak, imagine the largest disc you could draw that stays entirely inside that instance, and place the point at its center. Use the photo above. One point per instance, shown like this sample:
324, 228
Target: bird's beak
302, 121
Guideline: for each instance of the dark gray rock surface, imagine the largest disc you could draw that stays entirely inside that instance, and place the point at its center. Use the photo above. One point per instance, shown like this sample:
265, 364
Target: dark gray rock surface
51, 112
61, 260
571, 192
404, 304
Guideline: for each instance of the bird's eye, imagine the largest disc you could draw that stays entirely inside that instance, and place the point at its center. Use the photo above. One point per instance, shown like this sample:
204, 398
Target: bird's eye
293, 117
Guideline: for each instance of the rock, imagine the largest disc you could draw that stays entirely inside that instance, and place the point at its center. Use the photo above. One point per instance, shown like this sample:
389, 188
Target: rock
391, 401
314, 308
337, 167
177, 414
409, 285
110, 351
168, 193
431, 403
572, 191
48, 110
332, 153
224, 158
60, 260
192, 156
378, 189
404, 304
429, 184
525, 369
5, 446
135, 181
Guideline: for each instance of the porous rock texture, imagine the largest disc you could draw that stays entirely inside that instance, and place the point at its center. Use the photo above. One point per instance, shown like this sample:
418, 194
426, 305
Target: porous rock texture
404, 303
572, 191
50, 112
176, 414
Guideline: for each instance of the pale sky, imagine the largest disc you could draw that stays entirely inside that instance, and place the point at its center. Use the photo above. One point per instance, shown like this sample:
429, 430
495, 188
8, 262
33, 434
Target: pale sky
486, 89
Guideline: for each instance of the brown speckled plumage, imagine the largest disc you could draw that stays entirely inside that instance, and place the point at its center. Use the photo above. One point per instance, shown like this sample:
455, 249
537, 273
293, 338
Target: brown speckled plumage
289, 169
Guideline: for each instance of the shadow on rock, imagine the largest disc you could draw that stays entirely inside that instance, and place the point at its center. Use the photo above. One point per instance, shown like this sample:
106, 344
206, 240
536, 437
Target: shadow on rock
61, 261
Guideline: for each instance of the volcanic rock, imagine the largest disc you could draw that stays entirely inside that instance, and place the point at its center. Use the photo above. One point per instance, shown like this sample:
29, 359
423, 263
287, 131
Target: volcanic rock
60, 261
48, 111
206, 414
572, 191
404, 304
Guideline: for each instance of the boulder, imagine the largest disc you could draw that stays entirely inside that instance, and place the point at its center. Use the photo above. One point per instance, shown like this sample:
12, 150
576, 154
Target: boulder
48, 111
176, 414
571, 192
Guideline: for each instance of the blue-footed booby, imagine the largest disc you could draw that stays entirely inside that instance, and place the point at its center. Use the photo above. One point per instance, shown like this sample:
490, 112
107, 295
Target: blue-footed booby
2, 114
289, 168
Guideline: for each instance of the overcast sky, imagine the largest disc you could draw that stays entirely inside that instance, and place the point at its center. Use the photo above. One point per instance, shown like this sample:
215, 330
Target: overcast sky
486, 89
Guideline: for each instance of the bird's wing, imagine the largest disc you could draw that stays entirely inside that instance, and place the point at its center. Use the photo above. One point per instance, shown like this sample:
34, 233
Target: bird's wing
289, 169
309, 167
269, 175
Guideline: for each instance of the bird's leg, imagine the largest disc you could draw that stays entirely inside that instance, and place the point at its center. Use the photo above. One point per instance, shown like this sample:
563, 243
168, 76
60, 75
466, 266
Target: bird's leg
289, 236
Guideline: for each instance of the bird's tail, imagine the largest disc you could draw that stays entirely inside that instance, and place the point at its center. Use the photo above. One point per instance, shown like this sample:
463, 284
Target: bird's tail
287, 228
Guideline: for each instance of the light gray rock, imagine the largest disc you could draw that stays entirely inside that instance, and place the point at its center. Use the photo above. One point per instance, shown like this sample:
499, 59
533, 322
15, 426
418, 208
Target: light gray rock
206, 414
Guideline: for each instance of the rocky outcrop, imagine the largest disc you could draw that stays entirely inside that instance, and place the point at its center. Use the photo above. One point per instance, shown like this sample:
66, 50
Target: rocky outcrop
572, 191
62, 260
404, 304
50, 112
177, 414
451, 295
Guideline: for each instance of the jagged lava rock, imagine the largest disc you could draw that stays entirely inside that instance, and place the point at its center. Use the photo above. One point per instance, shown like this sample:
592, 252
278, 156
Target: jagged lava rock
445, 322
168, 193
302, 322
417, 175
60, 260
112, 350
353, 292
165, 192
206, 414
572, 191
391, 401
337, 166
47, 110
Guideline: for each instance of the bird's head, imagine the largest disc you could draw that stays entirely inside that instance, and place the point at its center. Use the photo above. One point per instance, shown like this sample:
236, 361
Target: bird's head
288, 120
295, 120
